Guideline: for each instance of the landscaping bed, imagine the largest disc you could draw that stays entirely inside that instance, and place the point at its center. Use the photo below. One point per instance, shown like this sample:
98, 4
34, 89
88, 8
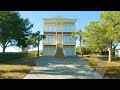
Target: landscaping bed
108, 70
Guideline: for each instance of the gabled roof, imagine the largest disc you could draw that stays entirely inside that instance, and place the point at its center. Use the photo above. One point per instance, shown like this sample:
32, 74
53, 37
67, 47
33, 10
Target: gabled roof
59, 18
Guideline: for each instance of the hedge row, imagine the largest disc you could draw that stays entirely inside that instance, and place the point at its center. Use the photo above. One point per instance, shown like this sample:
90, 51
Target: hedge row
16, 55
88, 52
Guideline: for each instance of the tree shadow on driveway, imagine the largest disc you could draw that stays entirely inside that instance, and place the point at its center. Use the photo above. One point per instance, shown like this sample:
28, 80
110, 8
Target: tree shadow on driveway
74, 67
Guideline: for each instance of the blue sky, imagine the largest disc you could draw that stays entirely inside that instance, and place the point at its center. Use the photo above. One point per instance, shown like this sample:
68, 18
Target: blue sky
35, 17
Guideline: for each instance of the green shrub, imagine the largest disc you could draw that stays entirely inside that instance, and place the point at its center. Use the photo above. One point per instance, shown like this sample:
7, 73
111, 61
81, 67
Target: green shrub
40, 52
92, 62
15, 55
85, 51
31, 54
104, 53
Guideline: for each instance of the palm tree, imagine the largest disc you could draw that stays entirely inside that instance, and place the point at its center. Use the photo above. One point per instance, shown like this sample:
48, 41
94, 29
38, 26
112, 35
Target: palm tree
78, 35
39, 38
35, 40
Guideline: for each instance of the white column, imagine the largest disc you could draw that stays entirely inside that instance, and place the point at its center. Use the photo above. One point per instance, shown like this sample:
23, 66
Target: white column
62, 34
75, 39
74, 26
75, 49
43, 34
56, 34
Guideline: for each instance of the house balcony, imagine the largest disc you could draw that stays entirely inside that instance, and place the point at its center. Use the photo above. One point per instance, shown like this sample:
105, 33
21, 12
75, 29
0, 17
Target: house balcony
55, 43
69, 42
59, 30
49, 43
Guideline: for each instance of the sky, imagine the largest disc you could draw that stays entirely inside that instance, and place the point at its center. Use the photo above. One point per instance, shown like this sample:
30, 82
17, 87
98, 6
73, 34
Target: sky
36, 17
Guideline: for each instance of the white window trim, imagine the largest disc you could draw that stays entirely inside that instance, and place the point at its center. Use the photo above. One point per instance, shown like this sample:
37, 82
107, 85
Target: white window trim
48, 40
68, 27
67, 40
47, 26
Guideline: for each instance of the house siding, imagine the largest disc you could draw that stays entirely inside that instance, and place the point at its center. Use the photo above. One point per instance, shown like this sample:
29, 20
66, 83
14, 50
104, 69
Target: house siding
117, 52
48, 50
70, 50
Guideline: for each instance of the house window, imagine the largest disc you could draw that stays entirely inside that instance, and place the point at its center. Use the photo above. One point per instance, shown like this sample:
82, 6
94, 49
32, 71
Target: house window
50, 38
67, 39
51, 27
67, 27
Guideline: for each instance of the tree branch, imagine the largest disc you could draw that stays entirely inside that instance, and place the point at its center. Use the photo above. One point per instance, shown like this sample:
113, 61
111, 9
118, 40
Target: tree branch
7, 43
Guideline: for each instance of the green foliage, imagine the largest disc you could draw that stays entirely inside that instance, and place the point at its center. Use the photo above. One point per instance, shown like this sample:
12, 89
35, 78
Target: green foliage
24, 49
104, 53
11, 56
85, 51
78, 35
104, 33
14, 30
31, 54
94, 36
111, 24
92, 63
40, 52
35, 39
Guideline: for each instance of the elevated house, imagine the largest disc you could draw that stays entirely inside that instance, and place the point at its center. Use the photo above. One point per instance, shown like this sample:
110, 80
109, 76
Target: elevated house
117, 52
58, 42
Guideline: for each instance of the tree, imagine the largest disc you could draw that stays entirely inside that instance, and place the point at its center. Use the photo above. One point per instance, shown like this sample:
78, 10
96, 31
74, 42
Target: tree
114, 47
35, 39
111, 23
14, 30
94, 36
40, 37
104, 33
78, 35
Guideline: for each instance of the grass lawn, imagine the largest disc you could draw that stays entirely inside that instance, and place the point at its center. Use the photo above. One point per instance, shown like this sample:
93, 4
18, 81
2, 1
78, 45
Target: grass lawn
108, 70
16, 69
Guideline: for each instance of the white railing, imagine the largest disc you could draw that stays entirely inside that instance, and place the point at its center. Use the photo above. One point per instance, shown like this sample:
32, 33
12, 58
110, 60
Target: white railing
60, 30
45, 30
64, 52
49, 43
54, 52
69, 42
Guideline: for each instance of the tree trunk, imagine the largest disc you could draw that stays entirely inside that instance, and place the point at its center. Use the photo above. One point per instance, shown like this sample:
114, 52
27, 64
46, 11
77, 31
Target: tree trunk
38, 47
4, 49
81, 49
114, 47
110, 53
113, 52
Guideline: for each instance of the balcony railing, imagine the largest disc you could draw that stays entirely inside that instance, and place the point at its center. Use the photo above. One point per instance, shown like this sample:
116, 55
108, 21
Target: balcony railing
49, 43
64, 43
69, 42
59, 30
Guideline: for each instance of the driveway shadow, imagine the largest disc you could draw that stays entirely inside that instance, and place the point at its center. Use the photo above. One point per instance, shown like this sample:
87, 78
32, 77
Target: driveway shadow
70, 66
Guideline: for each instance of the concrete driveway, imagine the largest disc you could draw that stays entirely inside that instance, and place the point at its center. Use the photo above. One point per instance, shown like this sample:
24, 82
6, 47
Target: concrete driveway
56, 68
